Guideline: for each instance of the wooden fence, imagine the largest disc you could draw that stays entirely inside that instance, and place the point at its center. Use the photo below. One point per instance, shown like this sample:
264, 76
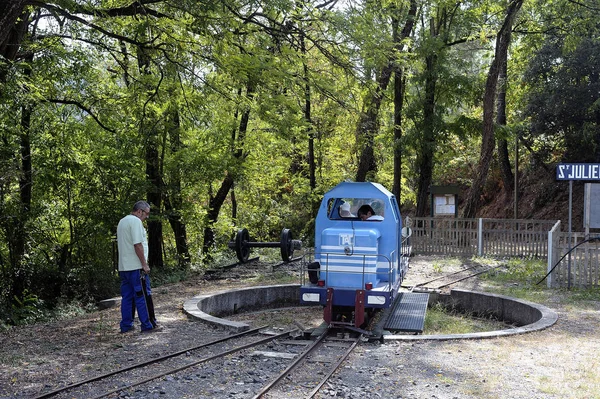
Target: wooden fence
482, 237
512, 238
581, 267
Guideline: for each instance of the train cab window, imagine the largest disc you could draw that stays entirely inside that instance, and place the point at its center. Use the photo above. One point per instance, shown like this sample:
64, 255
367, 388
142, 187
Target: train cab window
352, 209
366, 212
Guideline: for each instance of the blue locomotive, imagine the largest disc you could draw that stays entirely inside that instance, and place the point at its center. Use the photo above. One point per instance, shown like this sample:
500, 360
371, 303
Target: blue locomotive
358, 262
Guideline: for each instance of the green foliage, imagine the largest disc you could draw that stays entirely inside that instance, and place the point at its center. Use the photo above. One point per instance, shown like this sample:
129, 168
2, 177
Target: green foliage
121, 94
582, 298
526, 270
564, 109
26, 309
518, 277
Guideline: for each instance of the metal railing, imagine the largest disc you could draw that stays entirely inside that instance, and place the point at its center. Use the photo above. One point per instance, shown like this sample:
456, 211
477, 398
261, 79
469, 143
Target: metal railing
326, 269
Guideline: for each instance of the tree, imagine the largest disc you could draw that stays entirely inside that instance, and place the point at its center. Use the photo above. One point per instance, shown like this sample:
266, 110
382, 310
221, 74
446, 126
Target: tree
503, 38
13, 24
563, 101
503, 158
441, 29
399, 90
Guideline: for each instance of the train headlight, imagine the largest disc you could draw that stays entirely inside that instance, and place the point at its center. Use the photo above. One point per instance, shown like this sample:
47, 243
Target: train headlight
375, 300
321, 283
368, 286
310, 297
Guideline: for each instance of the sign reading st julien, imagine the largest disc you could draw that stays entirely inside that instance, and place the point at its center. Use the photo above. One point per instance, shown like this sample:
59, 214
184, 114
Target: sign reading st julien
589, 172
578, 171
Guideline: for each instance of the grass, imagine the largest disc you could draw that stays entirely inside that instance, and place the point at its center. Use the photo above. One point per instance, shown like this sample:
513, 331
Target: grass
517, 278
439, 320
440, 265
524, 279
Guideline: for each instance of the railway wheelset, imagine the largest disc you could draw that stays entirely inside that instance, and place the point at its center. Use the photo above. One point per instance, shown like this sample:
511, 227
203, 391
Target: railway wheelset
242, 245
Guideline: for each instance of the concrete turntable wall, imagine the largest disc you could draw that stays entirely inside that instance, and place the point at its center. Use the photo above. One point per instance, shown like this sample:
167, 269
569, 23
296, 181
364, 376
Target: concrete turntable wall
527, 316
210, 308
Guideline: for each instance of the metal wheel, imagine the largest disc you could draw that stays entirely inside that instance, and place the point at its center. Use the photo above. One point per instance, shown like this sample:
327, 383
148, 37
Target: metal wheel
241, 249
287, 246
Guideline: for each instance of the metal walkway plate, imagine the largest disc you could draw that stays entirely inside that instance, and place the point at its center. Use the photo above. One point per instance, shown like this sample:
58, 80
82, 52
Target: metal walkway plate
408, 312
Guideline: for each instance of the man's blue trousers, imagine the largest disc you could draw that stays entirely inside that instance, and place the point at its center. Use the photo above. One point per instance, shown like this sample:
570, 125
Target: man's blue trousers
132, 292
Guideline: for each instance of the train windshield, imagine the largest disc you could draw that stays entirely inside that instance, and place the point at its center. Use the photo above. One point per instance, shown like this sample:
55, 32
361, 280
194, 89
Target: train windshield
371, 209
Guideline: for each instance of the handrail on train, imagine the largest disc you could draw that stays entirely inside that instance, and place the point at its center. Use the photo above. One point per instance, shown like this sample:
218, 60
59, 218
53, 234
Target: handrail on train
311, 255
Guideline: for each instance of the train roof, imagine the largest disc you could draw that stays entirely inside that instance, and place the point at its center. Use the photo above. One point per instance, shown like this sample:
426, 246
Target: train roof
358, 190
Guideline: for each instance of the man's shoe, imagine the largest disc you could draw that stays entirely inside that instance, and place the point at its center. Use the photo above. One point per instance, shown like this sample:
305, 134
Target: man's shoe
151, 330
126, 331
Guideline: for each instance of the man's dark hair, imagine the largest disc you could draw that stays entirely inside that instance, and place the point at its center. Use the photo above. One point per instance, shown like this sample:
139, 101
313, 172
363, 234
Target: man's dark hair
363, 210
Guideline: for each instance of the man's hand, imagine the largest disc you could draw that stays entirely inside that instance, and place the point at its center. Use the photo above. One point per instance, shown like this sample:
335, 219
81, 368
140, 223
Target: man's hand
139, 251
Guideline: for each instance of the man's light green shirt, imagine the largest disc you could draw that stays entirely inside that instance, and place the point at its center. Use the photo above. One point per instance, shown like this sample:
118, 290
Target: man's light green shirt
130, 231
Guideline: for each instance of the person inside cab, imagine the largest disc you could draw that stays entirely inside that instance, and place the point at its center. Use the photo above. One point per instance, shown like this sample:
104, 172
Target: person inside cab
365, 212
345, 211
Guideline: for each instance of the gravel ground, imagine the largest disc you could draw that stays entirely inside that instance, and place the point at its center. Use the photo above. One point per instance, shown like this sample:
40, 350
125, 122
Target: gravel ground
560, 362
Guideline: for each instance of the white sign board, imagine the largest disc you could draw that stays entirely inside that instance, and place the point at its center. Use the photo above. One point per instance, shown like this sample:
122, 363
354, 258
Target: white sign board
444, 204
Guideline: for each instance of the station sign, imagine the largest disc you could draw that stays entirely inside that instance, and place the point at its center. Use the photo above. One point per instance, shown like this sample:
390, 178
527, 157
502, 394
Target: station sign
578, 171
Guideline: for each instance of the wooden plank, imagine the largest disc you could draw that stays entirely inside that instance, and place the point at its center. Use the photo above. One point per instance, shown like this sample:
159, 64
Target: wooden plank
279, 355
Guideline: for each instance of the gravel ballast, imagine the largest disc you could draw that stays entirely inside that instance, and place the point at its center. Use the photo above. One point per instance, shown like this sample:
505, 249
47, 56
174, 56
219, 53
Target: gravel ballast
559, 362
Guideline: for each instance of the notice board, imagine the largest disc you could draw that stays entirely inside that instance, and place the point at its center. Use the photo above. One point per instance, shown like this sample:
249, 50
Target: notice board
591, 206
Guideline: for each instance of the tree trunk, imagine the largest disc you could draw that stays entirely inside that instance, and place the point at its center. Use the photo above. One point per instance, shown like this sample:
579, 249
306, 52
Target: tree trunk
16, 227
503, 157
427, 143
13, 23
399, 83
154, 193
216, 202
368, 126
173, 200
473, 202
399, 89
154, 196
18, 234
308, 119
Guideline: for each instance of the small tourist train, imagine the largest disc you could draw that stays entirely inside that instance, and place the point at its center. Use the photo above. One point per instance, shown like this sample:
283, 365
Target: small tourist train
358, 262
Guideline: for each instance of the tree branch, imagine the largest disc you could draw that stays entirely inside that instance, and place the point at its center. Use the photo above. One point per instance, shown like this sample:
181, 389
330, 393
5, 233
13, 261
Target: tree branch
82, 107
72, 17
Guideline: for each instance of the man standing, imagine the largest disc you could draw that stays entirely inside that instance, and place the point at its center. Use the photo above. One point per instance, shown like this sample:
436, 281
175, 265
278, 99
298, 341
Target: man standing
133, 252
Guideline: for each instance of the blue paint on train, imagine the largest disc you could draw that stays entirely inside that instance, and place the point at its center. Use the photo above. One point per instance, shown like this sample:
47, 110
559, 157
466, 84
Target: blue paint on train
358, 262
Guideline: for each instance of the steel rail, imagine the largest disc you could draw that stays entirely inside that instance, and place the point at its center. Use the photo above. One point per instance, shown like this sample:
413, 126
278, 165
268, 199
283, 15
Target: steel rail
444, 276
334, 368
231, 266
145, 363
204, 360
468, 277
291, 366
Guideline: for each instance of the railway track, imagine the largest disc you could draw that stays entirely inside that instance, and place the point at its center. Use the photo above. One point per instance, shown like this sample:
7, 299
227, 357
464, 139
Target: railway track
304, 377
451, 278
130, 377
297, 368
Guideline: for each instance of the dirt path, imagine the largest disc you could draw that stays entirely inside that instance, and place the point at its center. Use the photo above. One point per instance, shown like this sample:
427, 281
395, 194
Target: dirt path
560, 362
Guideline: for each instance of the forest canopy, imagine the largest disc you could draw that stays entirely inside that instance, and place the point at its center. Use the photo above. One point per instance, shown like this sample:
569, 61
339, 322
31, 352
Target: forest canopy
228, 114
